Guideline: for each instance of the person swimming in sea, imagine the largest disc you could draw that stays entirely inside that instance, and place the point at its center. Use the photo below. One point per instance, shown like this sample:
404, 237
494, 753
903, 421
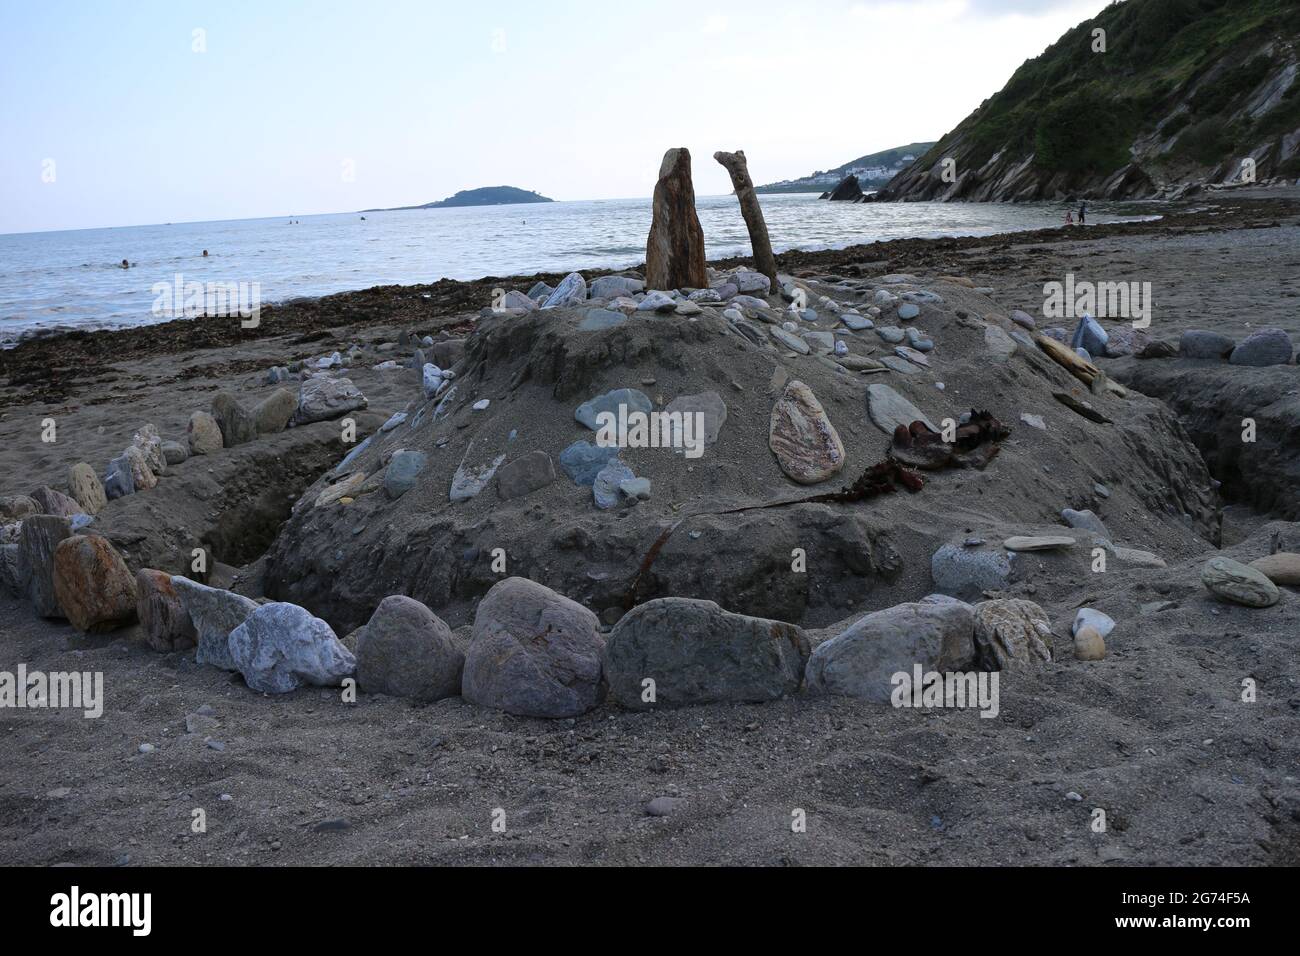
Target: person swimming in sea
125, 264
205, 253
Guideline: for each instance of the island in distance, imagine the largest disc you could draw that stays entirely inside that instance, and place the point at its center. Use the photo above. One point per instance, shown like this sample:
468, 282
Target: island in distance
485, 196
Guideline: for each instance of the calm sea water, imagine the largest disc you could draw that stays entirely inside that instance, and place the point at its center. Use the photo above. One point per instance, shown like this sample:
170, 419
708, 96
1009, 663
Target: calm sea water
74, 279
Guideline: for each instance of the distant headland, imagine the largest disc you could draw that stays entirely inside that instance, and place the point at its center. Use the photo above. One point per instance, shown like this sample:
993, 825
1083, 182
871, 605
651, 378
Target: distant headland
485, 196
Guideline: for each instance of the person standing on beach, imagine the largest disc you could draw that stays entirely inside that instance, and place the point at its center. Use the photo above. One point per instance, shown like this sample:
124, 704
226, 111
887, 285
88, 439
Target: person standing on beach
1083, 212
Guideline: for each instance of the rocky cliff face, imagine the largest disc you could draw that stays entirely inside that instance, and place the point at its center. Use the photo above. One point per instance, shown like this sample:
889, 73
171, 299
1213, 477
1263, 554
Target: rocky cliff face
1152, 98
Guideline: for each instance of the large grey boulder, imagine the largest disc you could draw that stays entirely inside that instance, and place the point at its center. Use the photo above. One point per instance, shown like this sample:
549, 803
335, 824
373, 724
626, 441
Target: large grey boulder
571, 291
1203, 344
697, 653
534, 653
37, 542
862, 660
611, 287
282, 647
406, 650
1230, 580
321, 398
1263, 347
968, 572
214, 612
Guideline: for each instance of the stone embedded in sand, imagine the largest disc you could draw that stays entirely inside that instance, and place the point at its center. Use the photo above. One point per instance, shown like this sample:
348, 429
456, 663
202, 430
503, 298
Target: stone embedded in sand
999, 343
525, 475
791, 341
1085, 521
709, 405
94, 589
37, 543
17, 507
657, 301
1263, 347
9, 578
802, 438
674, 254
1023, 319
1126, 340
582, 461
53, 502
1011, 631
321, 399
888, 410
1202, 344
534, 653
215, 612
967, 572
597, 320
149, 442
236, 424
611, 287
86, 488
204, 434
469, 480
1089, 334
629, 399
1103, 624
698, 653
431, 380
1280, 568
1045, 542
1089, 645
166, 623
517, 301
819, 341
273, 413
861, 660
346, 488
571, 291
406, 650
1239, 583
281, 647
402, 472
751, 283
605, 486
1141, 559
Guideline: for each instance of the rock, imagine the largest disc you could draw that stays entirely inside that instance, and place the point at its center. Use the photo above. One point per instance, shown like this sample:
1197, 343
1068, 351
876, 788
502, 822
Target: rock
117, 479
1200, 344
908, 310
1089, 645
848, 189
657, 302
37, 543
709, 405
94, 589
611, 287
1157, 349
707, 296
236, 424
1086, 521
1280, 568
858, 323
204, 434
1088, 617
525, 475
431, 379
1023, 319
349, 487
801, 436
663, 806
1034, 421
402, 472
321, 399
630, 398
1235, 582
1263, 347
966, 573
789, 340
174, 452
9, 578
17, 507
605, 486
167, 625
408, 651
912, 355
698, 653
599, 319
448, 352
1089, 334
1038, 543
1010, 632
280, 647
53, 502
571, 291
820, 341
582, 461
674, 256
888, 410
862, 660
752, 283
1142, 559
517, 301
999, 343
533, 653
469, 480
637, 488
1125, 340
273, 413
214, 612
539, 292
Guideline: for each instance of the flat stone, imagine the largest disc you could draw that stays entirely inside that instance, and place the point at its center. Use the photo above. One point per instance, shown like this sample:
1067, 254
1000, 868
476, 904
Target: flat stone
1034, 421
630, 399
1239, 583
605, 486
1038, 543
708, 405
1280, 568
1086, 521
525, 474
657, 301
698, 653
1203, 344
801, 436
999, 344
1089, 334
403, 471
469, 480
908, 310
891, 334
888, 410
858, 323
1103, 624
533, 653
281, 647
1142, 559
1023, 319
598, 319
789, 340
611, 287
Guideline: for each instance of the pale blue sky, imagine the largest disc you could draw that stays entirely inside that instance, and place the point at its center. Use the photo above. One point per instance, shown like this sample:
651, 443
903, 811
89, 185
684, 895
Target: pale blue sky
418, 98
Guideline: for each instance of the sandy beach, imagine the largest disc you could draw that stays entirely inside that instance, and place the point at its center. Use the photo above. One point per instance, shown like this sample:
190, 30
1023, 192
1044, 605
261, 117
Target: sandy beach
1157, 733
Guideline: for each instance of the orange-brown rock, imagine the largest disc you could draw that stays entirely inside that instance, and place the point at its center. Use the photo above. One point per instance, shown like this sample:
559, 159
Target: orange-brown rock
674, 253
92, 584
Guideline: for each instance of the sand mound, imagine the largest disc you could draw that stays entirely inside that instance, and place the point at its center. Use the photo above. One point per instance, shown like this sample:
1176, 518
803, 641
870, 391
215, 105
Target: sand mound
384, 521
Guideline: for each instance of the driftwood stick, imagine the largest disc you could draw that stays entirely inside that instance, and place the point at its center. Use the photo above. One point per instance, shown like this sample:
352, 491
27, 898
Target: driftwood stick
738, 169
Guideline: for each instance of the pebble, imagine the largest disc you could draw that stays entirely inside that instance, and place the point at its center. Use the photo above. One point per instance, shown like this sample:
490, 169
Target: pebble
892, 334
147, 748
1089, 644
1088, 617
908, 310
662, 806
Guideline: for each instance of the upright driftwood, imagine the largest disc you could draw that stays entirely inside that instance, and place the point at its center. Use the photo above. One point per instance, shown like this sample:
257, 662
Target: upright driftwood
738, 169
674, 252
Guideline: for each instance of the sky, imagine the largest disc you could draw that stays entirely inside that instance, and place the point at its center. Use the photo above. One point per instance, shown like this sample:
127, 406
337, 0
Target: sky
120, 113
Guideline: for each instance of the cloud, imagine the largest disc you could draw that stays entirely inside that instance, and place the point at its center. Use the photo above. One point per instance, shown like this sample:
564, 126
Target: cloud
716, 23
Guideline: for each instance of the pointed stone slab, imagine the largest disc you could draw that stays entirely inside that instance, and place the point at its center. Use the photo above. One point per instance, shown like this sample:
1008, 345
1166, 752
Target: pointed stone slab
888, 410
801, 435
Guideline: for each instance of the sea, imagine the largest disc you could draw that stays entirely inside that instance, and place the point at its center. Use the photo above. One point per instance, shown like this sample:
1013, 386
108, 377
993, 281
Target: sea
51, 281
